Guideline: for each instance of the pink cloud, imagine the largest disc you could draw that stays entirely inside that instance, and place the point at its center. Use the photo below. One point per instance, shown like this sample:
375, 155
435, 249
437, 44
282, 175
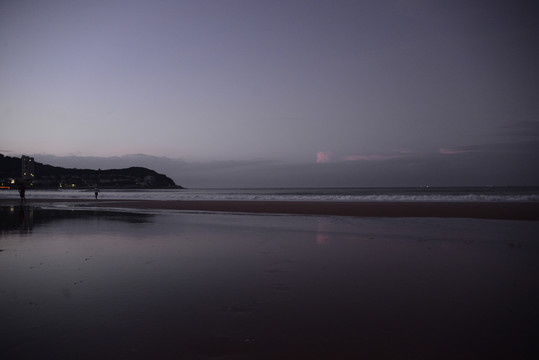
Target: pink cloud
323, 157
375, 157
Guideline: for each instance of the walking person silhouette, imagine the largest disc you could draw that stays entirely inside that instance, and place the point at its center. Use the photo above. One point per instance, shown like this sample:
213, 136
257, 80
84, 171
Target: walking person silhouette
22, 191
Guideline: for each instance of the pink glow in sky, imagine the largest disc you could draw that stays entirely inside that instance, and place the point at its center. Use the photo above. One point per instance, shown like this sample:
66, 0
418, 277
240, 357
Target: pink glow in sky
375, 157
322, 157
262, 81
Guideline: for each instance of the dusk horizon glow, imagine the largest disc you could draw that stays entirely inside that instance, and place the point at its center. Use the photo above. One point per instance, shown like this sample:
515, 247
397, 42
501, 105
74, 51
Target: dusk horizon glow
302, 93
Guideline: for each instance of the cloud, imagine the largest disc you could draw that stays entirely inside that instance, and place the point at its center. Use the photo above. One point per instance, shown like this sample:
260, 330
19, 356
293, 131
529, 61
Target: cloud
448, 151
491, 164
372, 157
323, 157
514, 147
8, 152
526, 129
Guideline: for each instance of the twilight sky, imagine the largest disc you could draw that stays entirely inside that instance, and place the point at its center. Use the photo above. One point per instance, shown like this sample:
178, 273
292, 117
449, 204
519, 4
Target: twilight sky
276, 93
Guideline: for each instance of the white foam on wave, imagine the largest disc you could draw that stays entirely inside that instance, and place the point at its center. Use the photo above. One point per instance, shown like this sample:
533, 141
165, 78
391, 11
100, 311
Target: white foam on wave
282, 195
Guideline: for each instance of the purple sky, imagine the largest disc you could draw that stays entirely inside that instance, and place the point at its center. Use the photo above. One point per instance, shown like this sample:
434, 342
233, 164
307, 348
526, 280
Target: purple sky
284, 93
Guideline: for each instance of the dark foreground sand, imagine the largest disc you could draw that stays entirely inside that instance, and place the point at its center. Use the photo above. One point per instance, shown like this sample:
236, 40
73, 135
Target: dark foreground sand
477, 210
84, 282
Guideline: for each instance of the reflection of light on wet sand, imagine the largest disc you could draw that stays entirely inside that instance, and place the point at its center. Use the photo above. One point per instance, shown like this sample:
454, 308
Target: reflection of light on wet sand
26, 219
198, 286
323, 226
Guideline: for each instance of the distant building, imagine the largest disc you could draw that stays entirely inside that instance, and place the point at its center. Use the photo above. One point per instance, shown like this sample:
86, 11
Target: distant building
27, 168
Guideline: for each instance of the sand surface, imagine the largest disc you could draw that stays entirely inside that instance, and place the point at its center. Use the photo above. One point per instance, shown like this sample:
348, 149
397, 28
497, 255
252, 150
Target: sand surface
86, 282
477, 210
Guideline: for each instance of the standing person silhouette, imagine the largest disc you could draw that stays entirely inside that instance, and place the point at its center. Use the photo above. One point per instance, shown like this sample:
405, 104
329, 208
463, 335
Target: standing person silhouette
96, 192
22, 190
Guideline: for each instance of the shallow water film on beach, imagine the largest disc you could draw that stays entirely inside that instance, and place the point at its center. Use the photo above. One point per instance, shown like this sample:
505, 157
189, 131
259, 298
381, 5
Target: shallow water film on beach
92, 284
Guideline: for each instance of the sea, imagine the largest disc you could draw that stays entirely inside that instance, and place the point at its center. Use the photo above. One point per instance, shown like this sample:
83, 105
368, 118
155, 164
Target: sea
370, 194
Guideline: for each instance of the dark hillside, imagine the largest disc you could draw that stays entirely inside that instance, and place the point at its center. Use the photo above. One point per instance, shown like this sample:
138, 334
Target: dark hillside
48, 176
10, 167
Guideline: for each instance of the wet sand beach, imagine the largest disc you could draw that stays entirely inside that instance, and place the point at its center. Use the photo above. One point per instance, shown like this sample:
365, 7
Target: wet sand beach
91, 280
477, 210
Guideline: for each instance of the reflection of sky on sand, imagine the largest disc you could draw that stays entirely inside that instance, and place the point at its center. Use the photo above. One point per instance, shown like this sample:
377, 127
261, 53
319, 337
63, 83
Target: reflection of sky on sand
24, 218
16, 217
105, 284
322, 234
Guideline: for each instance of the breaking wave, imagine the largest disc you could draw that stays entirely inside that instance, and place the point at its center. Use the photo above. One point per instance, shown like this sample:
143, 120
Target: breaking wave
455, 194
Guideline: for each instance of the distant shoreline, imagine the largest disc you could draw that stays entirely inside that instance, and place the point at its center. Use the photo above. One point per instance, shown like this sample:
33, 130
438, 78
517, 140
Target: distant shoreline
476, 210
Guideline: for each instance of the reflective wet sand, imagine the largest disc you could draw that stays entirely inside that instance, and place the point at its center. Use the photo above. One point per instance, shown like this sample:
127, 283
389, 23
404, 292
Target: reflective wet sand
92, 284
502, 210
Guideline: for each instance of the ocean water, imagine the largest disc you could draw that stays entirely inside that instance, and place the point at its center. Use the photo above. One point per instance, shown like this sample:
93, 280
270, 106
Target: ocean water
399, 194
